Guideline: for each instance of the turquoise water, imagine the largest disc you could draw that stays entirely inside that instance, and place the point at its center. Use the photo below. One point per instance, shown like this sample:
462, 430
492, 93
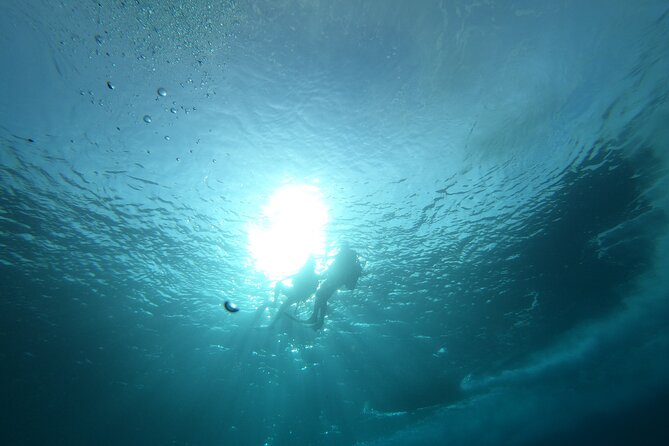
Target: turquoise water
500, 167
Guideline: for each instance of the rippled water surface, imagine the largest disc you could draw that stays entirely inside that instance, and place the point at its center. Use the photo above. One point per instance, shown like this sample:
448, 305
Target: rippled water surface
500, 167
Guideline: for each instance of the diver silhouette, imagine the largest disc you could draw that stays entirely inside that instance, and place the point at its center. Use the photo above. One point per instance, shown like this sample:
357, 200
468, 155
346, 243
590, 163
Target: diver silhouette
344, 271
305, 283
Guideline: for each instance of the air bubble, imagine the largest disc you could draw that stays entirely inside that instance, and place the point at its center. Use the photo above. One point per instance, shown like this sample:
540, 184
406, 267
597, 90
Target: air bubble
147, 119
110, 85
167, 138
162, 92
173, 110
231, 307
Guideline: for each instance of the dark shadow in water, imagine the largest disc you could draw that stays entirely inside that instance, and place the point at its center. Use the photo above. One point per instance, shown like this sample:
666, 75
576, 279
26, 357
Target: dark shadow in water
578, 274
643, 423
578, 254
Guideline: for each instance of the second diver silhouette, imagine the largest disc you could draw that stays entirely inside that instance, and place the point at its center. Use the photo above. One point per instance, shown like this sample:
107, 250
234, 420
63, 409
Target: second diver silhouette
305, 283
343, 272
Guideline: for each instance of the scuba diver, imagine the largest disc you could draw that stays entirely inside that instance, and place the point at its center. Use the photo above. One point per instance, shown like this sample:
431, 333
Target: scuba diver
344, 271
305, 283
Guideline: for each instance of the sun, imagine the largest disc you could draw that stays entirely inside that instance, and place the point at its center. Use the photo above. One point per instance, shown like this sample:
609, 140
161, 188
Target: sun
292, 228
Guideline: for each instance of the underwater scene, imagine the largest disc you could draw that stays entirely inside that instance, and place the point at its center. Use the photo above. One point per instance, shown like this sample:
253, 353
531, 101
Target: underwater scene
345, 222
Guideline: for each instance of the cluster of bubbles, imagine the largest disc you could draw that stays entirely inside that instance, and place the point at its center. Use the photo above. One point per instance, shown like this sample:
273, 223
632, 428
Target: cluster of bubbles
161, 92
147, 118
146, 37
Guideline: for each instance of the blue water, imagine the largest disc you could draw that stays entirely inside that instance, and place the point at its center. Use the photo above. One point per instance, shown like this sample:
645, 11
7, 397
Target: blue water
500, 167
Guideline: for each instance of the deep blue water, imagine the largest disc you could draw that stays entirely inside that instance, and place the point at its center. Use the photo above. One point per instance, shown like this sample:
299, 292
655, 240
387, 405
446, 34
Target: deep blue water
501, 168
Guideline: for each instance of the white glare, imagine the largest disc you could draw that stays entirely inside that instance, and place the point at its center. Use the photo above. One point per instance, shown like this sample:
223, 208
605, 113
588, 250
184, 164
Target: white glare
292, 229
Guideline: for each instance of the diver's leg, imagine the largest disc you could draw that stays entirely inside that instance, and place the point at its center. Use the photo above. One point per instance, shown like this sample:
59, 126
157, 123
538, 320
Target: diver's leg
278, 313
320, 318
318, 306
312, 318
278, 288
290, 300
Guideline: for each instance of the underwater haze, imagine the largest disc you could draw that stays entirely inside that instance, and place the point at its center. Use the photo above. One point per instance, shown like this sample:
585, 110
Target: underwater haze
500, 167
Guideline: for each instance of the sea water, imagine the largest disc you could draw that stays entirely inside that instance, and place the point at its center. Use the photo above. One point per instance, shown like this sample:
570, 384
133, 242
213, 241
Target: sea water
499, 167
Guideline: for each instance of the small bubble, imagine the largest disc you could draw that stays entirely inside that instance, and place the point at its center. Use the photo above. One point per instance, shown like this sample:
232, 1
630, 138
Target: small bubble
110, 85
178, 159
214, 160
173, 110
167, 138
162, 92
147, 119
